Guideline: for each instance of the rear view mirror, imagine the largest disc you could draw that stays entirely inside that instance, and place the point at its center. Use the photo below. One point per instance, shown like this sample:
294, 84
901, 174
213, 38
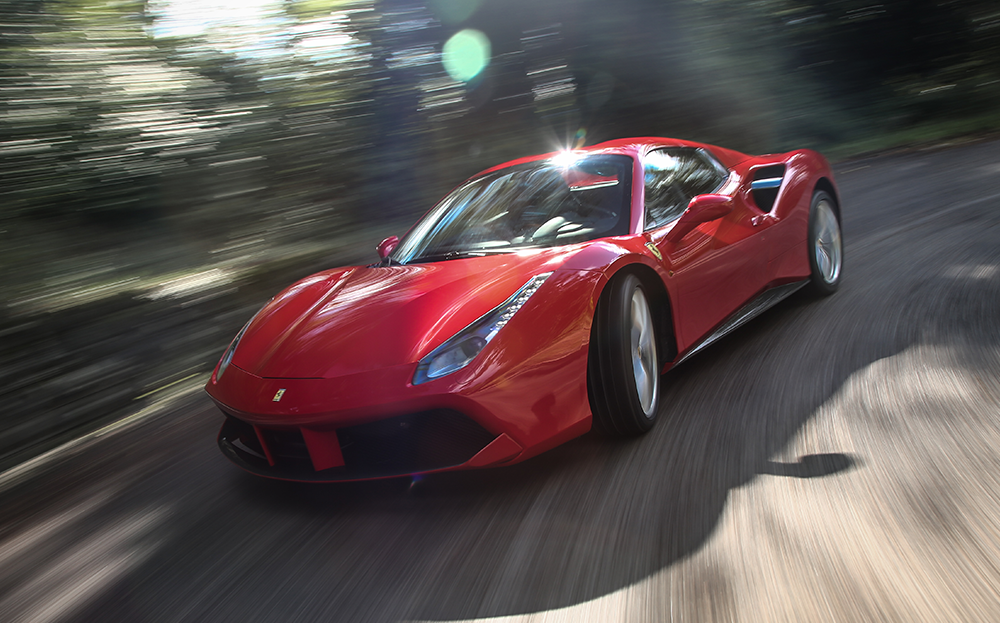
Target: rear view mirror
387, 246
702, 209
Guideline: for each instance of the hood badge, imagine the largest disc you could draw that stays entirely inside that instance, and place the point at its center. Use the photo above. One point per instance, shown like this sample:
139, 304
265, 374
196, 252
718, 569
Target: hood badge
278, 395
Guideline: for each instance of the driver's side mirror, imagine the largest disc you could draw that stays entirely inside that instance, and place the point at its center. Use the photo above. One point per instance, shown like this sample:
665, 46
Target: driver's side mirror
702, 209
387, 246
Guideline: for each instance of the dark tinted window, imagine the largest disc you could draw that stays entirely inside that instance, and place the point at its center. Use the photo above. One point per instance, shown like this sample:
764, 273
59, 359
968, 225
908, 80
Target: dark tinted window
539, 204
675, 175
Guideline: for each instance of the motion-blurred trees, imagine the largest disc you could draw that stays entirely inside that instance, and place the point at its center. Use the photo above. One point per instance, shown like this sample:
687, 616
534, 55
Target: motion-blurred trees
323, 114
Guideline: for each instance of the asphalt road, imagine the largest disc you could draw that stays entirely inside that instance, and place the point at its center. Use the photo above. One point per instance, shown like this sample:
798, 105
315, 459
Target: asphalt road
834, 460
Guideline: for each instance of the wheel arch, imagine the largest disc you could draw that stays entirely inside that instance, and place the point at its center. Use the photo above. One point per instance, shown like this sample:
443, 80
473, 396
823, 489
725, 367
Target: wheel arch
659, 300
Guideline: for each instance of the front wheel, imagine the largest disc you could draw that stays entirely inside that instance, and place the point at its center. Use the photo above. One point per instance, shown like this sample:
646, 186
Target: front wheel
624, 369
826, 248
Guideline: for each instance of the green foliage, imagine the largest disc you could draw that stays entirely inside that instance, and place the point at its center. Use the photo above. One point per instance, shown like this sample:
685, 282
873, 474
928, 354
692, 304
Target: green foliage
326, 113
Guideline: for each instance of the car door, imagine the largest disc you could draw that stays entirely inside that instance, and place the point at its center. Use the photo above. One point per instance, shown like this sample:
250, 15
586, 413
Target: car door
719, 265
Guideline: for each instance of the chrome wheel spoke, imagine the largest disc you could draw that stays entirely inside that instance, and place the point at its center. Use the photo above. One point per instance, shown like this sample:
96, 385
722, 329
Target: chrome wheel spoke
823, 261
644, 359
828, 252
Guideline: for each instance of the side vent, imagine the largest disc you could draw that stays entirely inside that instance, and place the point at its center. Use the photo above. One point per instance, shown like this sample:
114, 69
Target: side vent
766, 184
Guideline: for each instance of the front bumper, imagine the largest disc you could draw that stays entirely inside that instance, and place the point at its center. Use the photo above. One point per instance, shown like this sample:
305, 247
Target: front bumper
424, 442
524, 394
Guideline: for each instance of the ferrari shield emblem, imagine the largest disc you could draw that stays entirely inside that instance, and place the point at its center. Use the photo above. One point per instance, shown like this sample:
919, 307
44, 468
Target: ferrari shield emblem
278, 395
652, 249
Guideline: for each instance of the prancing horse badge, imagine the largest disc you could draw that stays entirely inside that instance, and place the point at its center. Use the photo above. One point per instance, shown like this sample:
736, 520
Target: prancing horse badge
278, 395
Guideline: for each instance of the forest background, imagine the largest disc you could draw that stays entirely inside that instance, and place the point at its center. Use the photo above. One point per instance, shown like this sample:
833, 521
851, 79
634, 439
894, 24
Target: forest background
168, 165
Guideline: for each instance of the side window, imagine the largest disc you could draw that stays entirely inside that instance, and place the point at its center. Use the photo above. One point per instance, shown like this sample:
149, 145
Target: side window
673, 176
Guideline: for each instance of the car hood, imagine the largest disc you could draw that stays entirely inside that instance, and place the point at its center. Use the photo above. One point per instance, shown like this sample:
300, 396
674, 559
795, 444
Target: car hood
352, 320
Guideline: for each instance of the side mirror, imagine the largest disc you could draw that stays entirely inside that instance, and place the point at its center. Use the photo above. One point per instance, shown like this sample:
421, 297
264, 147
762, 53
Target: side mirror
702, 209
387, 246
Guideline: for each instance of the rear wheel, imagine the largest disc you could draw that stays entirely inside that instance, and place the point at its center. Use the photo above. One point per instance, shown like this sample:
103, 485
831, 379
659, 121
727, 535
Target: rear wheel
624, 369
826, 248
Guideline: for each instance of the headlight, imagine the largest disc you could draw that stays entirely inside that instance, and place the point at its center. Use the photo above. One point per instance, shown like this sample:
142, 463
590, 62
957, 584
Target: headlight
462, 348
228, 355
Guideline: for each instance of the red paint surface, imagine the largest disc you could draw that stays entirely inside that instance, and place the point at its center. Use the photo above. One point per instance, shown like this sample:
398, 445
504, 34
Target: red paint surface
263, 444
345, 343
324, 448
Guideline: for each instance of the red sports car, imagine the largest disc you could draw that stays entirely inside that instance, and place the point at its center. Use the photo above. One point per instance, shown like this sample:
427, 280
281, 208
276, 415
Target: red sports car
540, 298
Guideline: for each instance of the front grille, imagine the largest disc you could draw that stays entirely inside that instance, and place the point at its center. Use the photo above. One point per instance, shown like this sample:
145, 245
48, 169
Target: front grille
243, 437
414, 442
287, 447
405, 444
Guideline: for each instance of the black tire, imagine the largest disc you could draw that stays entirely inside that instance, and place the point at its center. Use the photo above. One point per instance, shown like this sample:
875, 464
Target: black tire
825, 245
624, 390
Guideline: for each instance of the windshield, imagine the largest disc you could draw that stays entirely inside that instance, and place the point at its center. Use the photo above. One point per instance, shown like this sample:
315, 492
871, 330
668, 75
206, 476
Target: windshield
539, 204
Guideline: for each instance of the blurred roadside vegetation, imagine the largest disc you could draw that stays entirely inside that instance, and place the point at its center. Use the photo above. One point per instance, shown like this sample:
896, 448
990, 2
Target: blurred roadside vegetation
167, 165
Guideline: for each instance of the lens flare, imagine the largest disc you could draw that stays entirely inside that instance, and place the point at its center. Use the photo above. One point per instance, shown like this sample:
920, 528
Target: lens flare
466, 54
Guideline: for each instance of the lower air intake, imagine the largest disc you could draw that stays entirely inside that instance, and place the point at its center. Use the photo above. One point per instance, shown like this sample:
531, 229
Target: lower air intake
406, 444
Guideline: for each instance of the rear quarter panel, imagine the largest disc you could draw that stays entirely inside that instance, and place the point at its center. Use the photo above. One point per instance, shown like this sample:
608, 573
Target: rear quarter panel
788, 259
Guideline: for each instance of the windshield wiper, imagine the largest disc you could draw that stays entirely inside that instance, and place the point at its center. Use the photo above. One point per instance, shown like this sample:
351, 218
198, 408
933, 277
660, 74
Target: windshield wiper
450, 255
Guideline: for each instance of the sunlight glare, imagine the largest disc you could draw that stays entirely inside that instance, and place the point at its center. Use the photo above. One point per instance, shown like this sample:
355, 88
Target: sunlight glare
191, 18
564, 159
